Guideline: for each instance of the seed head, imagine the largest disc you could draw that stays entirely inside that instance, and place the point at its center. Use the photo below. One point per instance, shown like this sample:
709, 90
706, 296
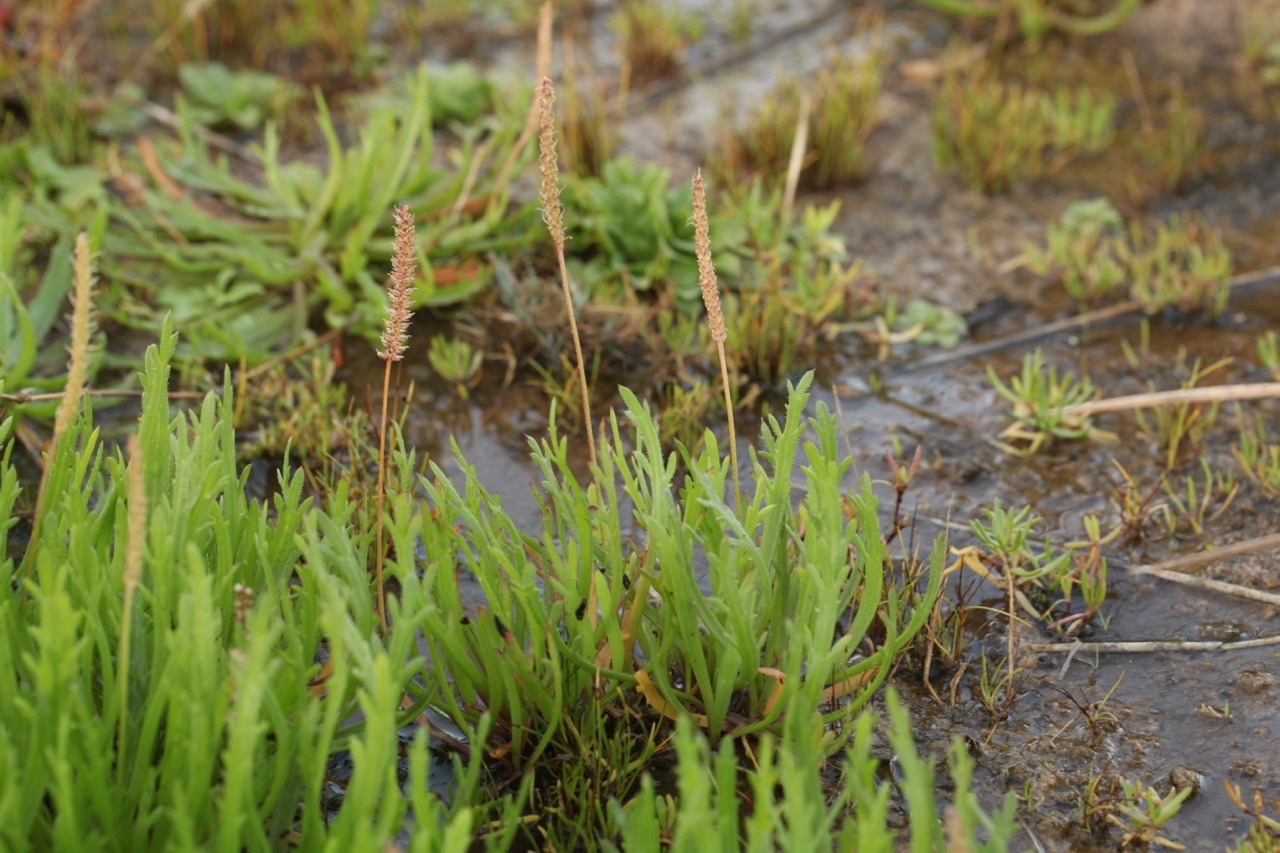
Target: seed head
706, 270
550, 191
395, 332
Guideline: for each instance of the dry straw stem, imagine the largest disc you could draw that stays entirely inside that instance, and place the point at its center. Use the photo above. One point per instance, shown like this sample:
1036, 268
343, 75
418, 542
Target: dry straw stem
395, 342
1153, 646
799, 144
541, 71
1210, 584
1212, 394
1171, 570
553, 215
1222, 552
715, 316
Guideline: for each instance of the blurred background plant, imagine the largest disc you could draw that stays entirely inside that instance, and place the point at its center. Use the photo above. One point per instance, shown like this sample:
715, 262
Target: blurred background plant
653, 38
997, 133
1181, 265
455, 361
843, 100
218, 97
1082, 251
1172, 147
1036, 18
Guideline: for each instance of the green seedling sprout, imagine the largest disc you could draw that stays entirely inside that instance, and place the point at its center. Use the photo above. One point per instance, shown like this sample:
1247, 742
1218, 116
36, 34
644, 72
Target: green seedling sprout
1042, 403
1147, 812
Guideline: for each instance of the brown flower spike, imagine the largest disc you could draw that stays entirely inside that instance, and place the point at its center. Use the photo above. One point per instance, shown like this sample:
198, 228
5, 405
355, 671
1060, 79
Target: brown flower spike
553, 215
395, 342
715, 316
395, 334
706, 270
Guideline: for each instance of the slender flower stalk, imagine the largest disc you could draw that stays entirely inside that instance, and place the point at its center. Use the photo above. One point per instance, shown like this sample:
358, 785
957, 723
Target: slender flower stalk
395, 342
82, 328
715, 316
553, 215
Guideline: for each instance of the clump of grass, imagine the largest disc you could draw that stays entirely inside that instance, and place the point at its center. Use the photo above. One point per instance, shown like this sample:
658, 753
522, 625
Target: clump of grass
1173, 147
395, 342
1180, 265
801, 285
843, 99
52, 96
553, 215
588, 126
1180, 429
316, 40
995, 134
1006, 536
1268, 346
654, 39
1257, 457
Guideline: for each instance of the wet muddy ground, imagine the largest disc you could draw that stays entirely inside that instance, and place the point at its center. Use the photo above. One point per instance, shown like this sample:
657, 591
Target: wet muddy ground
916, 231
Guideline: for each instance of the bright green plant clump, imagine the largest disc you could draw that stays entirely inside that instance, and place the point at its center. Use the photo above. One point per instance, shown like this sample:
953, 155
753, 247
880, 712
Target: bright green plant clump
242, 99
792, 811
1035, 18
206, 709
243, 264
635, 229
739, 649
188, 716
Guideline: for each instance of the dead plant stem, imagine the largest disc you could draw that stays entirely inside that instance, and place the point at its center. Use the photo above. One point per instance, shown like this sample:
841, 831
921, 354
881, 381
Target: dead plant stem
1210, 394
